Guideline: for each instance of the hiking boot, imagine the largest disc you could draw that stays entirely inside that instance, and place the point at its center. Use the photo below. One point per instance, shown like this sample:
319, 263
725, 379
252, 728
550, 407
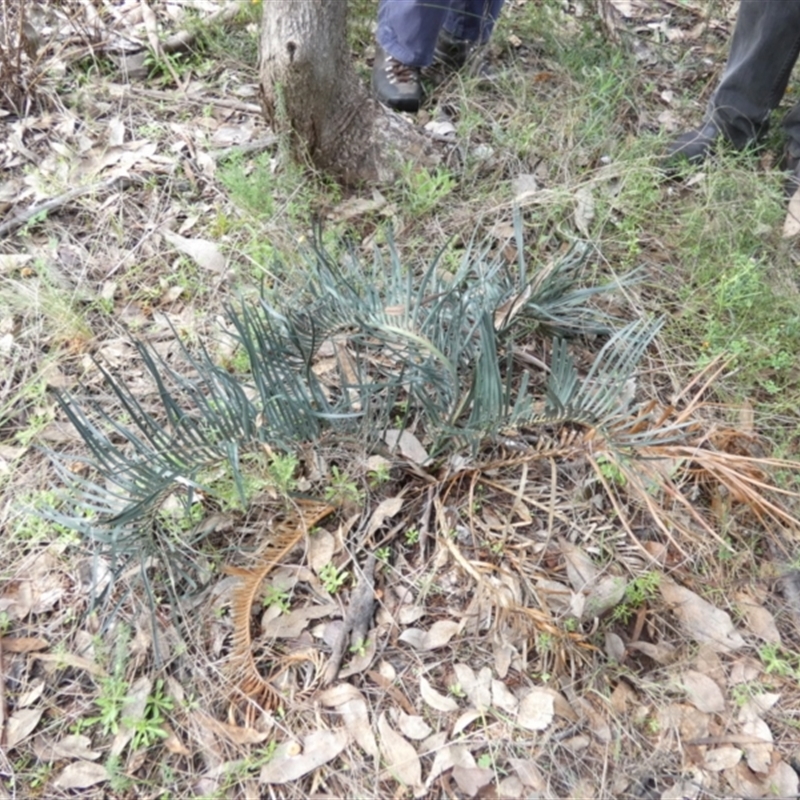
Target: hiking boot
458, 54
396, 84
694, 146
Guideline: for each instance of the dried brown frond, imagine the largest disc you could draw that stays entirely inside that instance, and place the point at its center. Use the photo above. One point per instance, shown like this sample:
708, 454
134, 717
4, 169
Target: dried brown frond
281, 542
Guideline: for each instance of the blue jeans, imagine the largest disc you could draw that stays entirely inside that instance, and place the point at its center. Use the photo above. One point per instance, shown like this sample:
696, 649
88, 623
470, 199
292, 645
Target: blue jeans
764, 49
408, 29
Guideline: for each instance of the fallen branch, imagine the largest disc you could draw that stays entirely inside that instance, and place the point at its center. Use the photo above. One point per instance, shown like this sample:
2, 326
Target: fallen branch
356, 621
46, 206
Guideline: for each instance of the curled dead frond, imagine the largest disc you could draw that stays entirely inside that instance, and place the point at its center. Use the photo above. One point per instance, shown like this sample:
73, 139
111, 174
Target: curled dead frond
280, 543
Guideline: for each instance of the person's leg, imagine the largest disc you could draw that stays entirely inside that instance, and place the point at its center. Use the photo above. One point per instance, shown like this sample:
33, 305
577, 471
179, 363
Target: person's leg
764, 48
791, 124
465, 31
407, 33
472, 20
408, 29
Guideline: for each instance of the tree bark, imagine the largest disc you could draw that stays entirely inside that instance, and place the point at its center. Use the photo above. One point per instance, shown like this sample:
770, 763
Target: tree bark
311, 93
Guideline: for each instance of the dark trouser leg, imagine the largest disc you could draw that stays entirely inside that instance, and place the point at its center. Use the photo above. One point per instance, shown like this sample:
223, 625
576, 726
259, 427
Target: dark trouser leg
791, 124
408, 29
472, 20
764, 49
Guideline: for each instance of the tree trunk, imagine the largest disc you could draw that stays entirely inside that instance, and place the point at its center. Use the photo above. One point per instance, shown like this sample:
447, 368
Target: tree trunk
311, 93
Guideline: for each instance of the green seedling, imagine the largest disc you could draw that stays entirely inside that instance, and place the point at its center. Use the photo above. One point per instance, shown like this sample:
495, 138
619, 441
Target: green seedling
333, 578
343, 490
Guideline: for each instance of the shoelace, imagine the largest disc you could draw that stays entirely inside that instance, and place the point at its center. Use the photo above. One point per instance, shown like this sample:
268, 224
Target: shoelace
402, 73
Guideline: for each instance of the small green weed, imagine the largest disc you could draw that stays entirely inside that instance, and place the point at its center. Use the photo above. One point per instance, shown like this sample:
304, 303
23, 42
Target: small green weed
379, 475
639, 591
778, 661
333, 578
412, 536
273, 596
610, 470
343, 490
281, 471
149, 730
110, 701
425, 190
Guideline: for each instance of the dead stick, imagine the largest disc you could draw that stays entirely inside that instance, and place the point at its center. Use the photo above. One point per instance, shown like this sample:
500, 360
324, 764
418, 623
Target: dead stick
22, 217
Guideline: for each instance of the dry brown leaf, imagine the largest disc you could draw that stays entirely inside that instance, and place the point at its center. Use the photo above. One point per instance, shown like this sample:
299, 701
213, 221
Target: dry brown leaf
357, 207
690, 723
791, 224
80, 775
536, 710
409, 613
472, 779
584, 210
436, 701
528, 772
745, 670
510, 788
758, 754
413, 726
623, 697
292, 624
686, 789
204, 253
233, 733
352, 707
21, 724
721, 758
290, 762
661, 652
478, 688
759, 621
442, 761
700, 620
581, 571
466, 719
606, 593
173, 744
758, 704
72, 746
506, 312
400, 756
61, 660
783, 781
709, 663
439, 634
614, 647
407, 444
386, 509
745, 782
503, 698
31, 695
321, 547
704, 694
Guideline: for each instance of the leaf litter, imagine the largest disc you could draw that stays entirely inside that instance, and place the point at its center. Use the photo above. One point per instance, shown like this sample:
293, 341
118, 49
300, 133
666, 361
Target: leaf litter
485, 653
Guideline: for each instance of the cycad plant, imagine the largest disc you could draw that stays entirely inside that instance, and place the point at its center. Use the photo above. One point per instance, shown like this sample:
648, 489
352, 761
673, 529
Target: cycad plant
432, 349
363, 349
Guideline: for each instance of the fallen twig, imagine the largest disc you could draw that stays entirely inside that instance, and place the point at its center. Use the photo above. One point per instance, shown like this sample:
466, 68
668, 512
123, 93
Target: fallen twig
45, 206
356, 621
